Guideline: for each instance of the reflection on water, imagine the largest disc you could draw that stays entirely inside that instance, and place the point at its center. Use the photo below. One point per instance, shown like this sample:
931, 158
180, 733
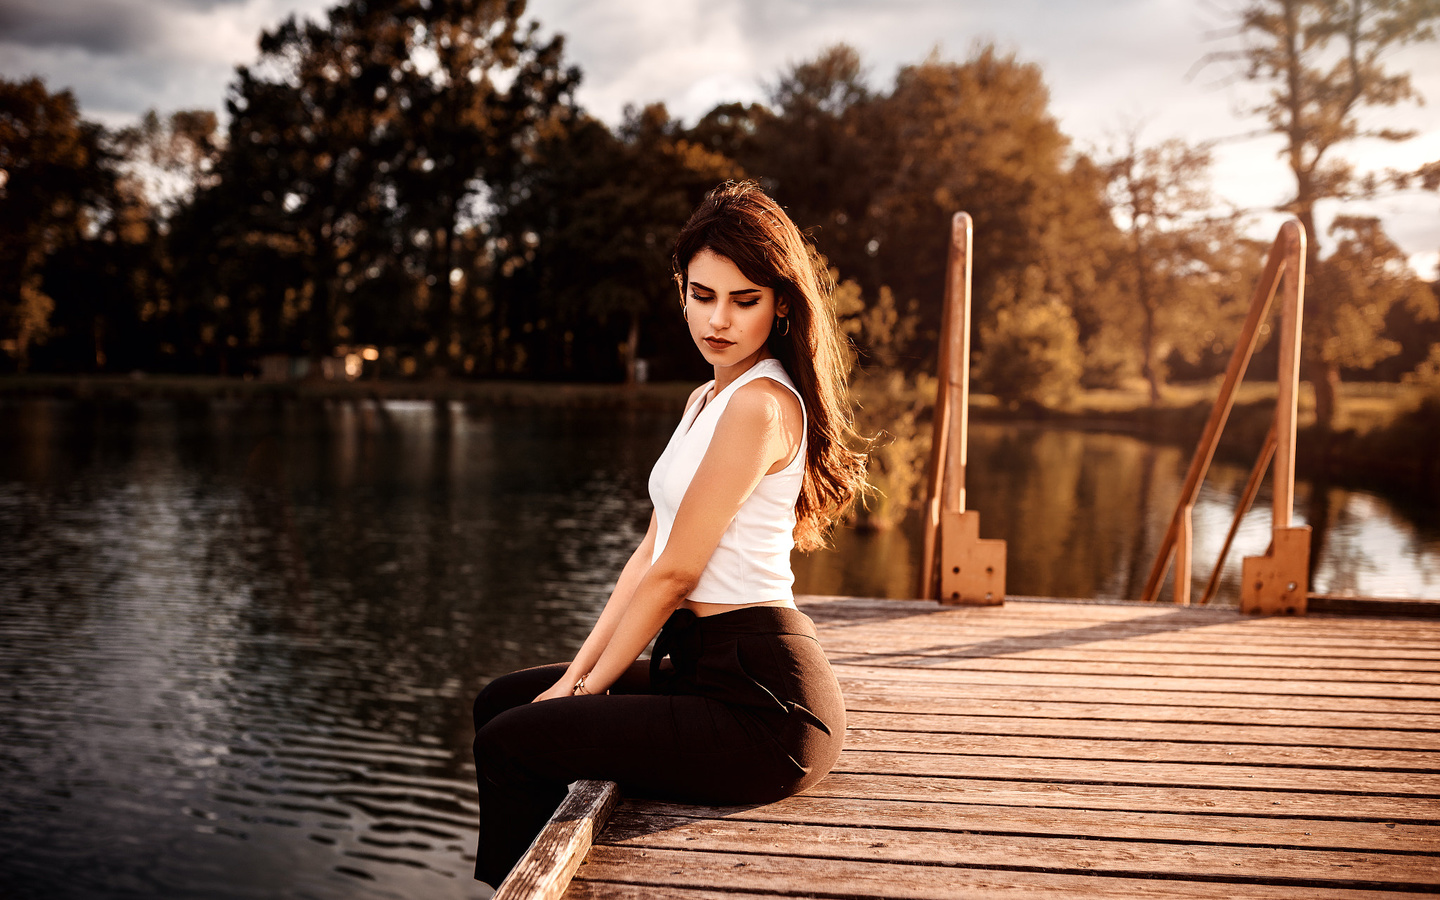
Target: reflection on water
1083, 515
239, 643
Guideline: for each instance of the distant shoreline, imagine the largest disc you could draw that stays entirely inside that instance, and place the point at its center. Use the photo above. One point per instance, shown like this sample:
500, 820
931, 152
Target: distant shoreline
1360, 454
490, 393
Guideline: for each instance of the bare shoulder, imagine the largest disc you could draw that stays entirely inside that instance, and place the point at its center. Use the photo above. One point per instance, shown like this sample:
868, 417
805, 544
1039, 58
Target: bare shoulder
769, 405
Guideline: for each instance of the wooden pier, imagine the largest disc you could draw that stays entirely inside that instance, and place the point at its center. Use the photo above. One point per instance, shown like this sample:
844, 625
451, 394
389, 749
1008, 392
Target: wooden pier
1054, 749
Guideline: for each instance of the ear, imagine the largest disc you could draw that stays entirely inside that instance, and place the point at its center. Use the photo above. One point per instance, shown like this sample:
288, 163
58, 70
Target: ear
782, 307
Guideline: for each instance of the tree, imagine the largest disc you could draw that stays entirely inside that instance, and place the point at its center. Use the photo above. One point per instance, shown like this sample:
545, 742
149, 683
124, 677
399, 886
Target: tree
470, 114
54, 176
1324, 60
1355, 289
977, 136
1031, 344
361, 155
583, 243
167, 160
815, 156
1160, 197
311, 125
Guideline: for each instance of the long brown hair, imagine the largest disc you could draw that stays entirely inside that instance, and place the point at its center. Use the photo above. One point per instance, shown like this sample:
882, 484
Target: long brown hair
739, 221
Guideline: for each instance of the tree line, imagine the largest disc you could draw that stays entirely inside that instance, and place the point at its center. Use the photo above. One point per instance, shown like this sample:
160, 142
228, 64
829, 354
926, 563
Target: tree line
416, 177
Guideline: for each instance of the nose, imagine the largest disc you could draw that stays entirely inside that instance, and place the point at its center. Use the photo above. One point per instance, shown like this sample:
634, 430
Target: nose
720, 315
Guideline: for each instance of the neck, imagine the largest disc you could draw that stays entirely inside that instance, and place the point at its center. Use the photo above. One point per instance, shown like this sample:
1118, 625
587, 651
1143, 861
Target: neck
726, 375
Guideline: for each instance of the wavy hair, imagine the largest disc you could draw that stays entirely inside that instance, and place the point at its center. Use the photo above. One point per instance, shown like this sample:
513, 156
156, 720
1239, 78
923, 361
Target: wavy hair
739, 221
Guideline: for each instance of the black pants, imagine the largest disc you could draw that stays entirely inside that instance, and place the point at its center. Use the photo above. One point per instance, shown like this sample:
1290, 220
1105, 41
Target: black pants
745, 710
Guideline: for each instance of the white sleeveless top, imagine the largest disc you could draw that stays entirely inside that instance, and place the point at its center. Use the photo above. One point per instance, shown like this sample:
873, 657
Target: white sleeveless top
751, 564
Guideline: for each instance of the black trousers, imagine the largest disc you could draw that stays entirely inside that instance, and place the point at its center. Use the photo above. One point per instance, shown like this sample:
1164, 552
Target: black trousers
744, 710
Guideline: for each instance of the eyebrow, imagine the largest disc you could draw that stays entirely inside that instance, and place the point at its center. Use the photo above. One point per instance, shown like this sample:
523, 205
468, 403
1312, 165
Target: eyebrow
732, 293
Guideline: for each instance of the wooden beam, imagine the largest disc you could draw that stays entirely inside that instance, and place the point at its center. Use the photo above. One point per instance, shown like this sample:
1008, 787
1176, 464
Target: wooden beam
952, 400
1280, 250
1247, 499
972, 571
544, 872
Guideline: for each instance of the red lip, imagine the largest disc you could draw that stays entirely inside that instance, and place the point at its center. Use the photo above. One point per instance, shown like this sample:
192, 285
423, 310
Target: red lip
719, 343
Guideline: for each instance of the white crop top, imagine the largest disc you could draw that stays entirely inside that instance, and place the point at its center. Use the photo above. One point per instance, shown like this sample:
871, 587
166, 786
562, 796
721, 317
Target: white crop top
751, 564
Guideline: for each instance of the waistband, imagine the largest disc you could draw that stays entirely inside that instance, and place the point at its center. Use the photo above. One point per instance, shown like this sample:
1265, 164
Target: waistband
751, 620
685, 636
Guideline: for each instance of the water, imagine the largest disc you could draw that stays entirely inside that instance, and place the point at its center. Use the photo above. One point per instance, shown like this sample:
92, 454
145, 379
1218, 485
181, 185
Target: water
239, 644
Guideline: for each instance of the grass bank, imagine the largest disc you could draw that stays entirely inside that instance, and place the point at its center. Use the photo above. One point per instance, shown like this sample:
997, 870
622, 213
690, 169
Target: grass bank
1386, 436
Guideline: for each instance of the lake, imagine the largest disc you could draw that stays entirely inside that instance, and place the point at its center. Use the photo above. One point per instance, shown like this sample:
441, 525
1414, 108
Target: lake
240, 642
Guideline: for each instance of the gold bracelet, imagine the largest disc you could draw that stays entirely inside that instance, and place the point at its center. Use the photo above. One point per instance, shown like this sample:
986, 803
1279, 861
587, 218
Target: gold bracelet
579, 687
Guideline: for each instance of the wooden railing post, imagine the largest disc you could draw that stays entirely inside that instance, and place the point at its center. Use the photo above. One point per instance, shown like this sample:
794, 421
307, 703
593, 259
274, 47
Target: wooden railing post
971, 571
1278, 582
1271, 582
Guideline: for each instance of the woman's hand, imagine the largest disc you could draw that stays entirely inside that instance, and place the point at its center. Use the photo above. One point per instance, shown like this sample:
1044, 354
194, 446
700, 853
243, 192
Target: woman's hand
561, 688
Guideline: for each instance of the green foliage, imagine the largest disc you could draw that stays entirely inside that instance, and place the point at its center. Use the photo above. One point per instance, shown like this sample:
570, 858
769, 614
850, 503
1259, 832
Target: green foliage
1031, 354
54, 181
893, 407
1324, 63
1352, 292
1166, 273
583, 244
1427, 374
414, 174
977, 136
358, 152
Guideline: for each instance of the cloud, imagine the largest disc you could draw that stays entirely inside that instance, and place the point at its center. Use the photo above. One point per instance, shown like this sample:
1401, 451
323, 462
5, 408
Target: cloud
122, 57
1106, 62
95, 26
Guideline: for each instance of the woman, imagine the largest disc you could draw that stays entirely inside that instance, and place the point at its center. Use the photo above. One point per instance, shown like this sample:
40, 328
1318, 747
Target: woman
745, 708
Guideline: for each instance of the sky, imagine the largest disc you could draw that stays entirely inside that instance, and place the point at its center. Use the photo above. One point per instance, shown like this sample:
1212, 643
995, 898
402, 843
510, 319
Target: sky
1110, 65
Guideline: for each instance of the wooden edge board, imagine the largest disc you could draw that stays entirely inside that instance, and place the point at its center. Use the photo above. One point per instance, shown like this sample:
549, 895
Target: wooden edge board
1398, 607
610, 873
544, 872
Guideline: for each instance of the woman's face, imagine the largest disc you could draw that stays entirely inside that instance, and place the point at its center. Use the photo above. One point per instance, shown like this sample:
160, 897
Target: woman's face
729, 316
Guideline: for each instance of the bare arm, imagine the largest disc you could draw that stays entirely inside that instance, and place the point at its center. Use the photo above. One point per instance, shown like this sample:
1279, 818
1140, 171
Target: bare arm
750, 438
630, 576
604, 628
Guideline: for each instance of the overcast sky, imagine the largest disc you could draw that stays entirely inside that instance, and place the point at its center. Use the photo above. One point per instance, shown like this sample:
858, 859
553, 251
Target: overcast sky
1107, 62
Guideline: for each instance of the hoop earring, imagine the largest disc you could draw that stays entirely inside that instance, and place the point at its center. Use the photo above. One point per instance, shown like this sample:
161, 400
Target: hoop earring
685, 311
784, 320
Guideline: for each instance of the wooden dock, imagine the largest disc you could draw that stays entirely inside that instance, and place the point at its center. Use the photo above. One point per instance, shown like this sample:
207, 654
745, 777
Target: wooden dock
1054, 749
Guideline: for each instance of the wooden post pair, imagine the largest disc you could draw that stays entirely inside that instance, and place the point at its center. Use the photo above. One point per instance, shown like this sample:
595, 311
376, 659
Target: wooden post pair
971, 571
1278, 581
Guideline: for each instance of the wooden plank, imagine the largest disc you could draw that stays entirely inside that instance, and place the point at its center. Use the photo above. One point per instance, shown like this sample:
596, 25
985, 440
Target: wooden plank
1417, 727
940, 686
1048, 749
1137, 798
1148, 668
545, 870
1018, 639
613, 874
1286, 656
1077, 748
1057, 614
1111, 729
944, 819
949, 658
1134, 857
945, 670
1016, 618
1095, 771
